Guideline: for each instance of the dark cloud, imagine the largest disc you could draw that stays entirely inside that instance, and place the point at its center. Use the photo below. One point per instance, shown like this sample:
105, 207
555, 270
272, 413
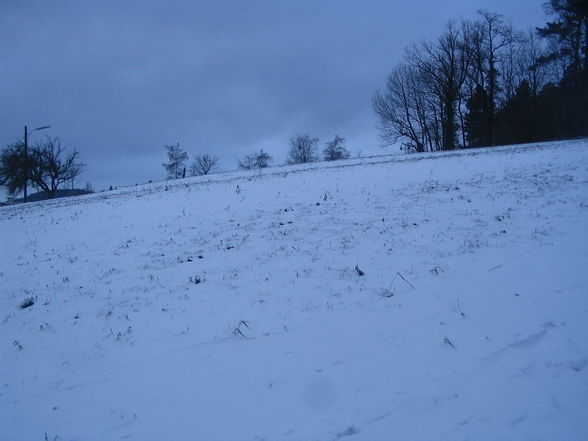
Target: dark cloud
118, 80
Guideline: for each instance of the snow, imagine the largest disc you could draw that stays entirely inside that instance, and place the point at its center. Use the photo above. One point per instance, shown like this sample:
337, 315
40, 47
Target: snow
468, 323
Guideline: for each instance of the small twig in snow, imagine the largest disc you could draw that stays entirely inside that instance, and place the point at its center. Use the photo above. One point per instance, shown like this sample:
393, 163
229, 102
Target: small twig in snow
402, 277
449, 342
237, 330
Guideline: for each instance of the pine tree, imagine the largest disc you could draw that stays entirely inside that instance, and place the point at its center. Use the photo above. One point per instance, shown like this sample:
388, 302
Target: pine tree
477, 118
335, 150
176, 167
517, 120
568, 32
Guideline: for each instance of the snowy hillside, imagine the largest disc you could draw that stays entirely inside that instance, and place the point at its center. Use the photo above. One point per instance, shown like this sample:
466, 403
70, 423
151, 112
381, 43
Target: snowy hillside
440, 297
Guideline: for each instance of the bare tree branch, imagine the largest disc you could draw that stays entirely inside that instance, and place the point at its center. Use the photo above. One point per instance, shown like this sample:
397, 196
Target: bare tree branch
203, 164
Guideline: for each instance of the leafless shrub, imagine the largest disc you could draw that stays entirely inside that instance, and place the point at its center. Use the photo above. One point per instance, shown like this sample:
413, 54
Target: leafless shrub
203, 164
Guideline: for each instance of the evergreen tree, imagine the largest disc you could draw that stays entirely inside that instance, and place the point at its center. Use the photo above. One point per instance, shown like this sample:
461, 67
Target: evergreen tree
477, 118
13, 167
335, 150
176, 167
568, 35
517, 120
568, 32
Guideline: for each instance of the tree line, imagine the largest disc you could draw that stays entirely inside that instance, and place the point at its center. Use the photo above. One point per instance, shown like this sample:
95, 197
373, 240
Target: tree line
480, 83
483, 83
302, 149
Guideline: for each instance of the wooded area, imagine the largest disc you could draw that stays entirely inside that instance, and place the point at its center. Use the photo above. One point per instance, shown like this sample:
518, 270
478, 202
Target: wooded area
483, 83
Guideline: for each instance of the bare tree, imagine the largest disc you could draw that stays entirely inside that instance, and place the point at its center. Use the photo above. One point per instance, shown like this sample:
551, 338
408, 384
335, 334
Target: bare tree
254, 161
509, 75
203, 164
406, 111
496, 37
176, 167
423, 102
302, 149
443, 68
474, 43
528, 63
247, 163
51, 166
335, 149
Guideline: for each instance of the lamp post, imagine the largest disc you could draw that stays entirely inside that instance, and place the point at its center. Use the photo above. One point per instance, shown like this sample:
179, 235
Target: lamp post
26, 155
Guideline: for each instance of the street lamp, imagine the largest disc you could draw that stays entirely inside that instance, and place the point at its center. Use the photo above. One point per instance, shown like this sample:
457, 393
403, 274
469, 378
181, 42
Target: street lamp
26, 154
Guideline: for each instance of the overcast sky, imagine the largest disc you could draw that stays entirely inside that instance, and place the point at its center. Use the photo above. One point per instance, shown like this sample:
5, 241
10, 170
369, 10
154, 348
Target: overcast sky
120, 79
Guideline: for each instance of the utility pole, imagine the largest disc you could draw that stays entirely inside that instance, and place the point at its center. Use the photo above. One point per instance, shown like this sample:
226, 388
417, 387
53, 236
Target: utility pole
26, 162
26, 157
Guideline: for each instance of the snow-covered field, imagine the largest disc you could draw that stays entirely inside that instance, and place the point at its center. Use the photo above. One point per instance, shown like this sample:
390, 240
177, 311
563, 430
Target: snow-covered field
439, 297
